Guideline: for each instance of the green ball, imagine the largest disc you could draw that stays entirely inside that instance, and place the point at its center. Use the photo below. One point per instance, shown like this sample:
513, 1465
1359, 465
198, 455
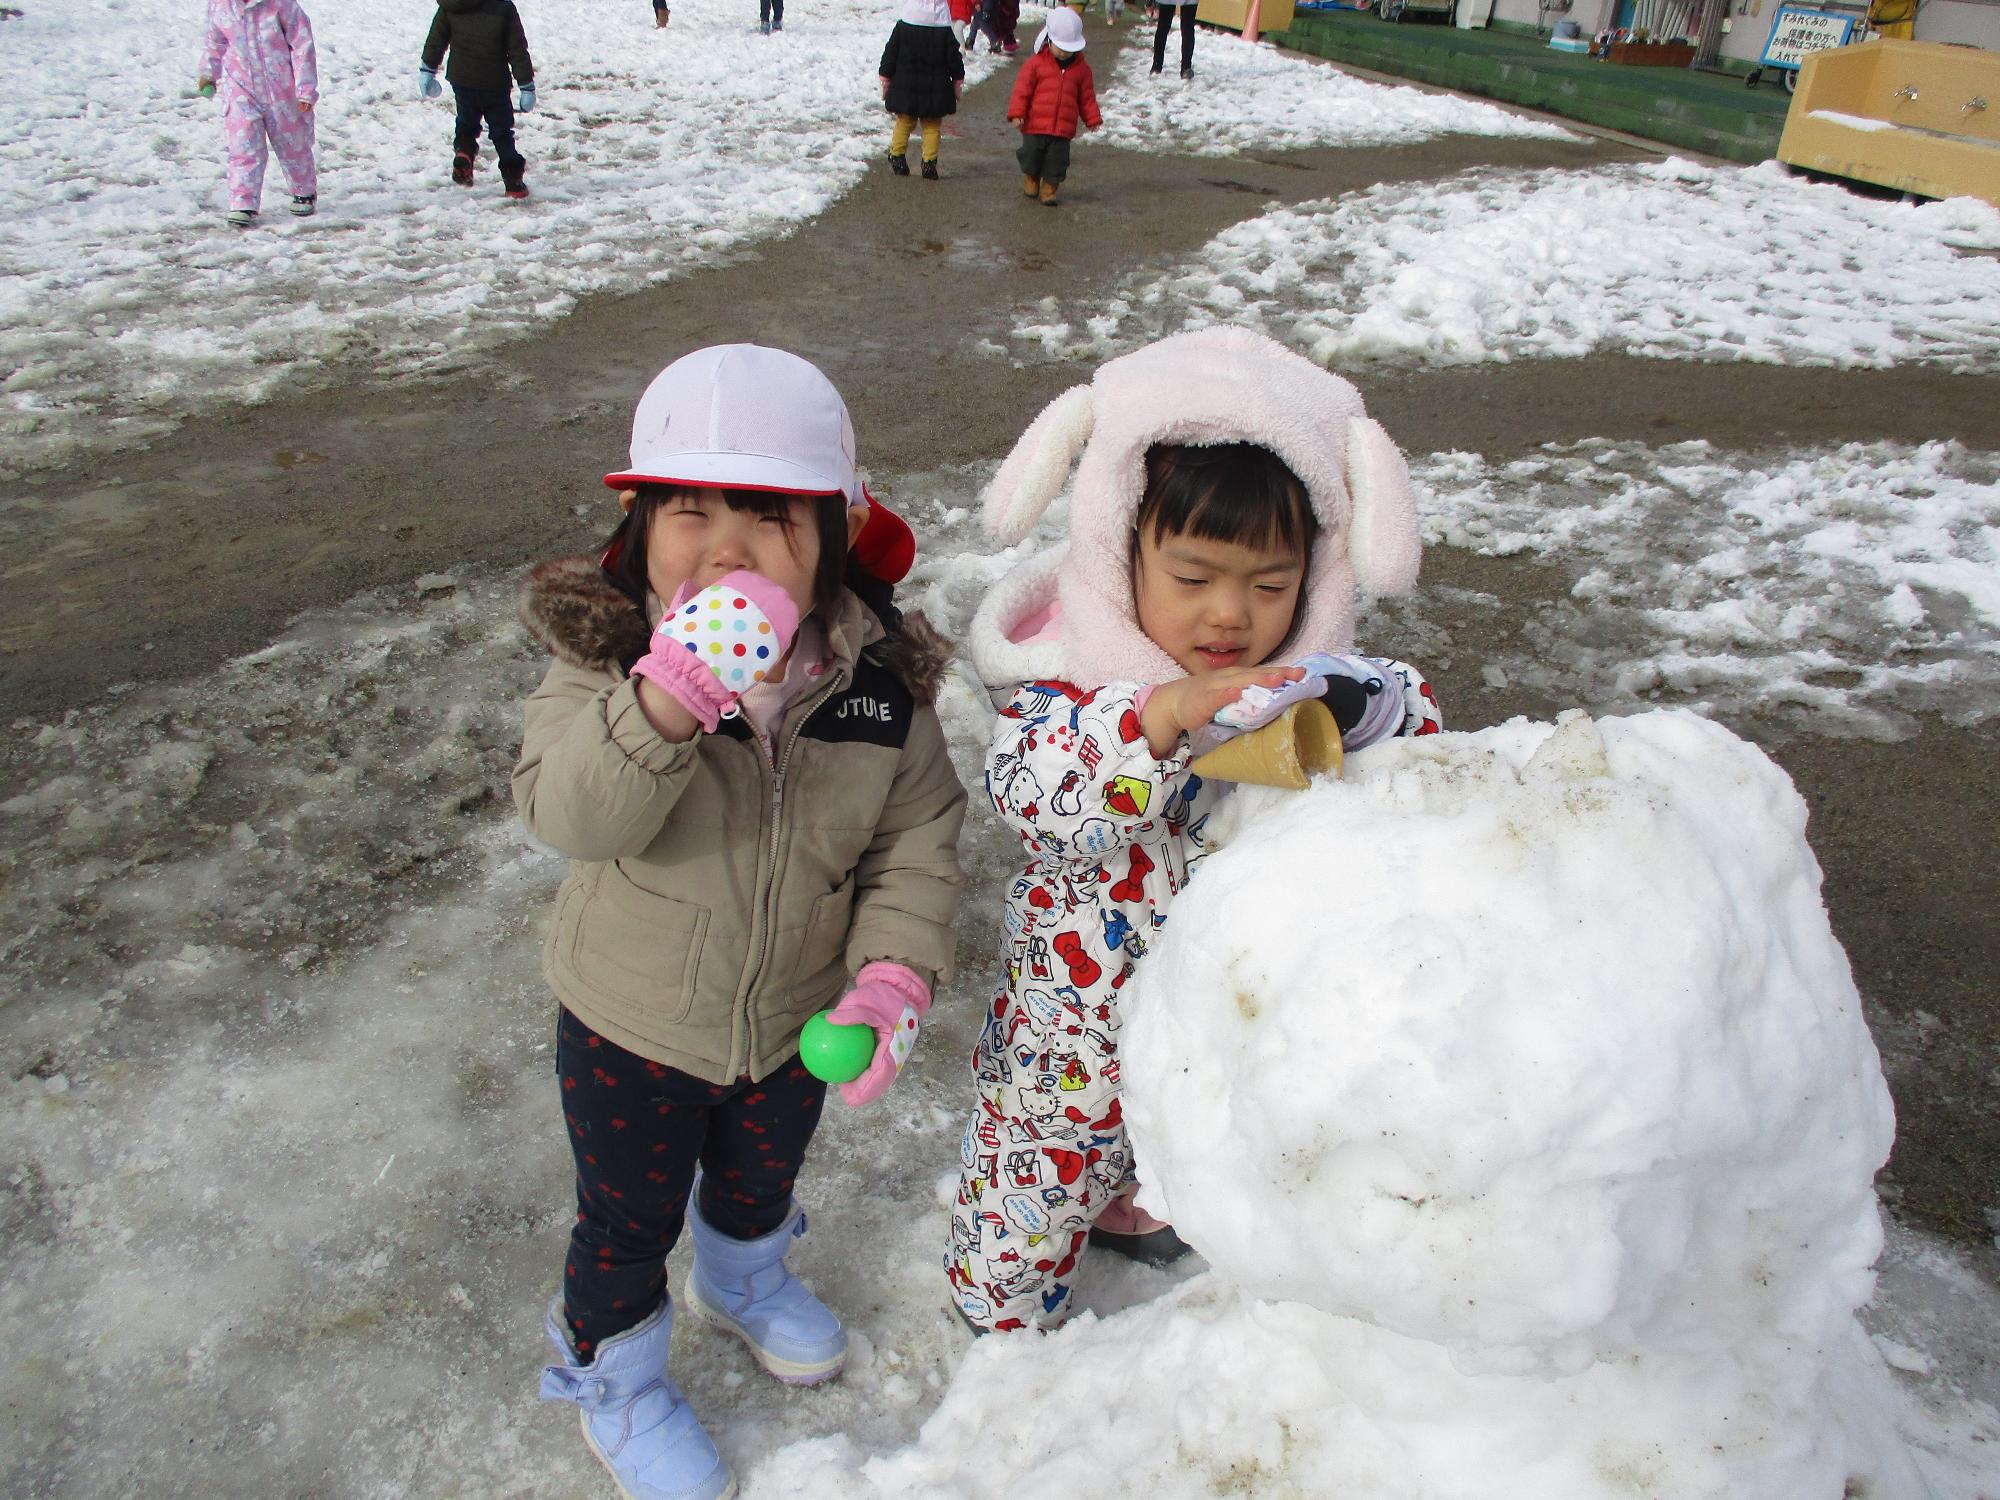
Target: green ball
833, 1053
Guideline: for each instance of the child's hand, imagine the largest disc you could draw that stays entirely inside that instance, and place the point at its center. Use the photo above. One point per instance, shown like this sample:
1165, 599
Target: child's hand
891, 999
885, 85
527, 104
714, 648
1174, 708
1014, 119
305, 106
1353, 679
428, 86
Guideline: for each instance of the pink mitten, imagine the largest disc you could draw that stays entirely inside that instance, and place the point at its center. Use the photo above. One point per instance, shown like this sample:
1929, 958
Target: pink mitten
892, 999
710, 650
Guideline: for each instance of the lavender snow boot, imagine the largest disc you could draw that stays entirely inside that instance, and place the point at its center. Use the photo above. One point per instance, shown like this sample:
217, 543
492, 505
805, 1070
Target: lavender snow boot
634, 1418
744, 1287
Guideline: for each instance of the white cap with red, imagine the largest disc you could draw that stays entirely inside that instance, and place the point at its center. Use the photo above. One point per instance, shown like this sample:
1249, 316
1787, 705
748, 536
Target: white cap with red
740, 416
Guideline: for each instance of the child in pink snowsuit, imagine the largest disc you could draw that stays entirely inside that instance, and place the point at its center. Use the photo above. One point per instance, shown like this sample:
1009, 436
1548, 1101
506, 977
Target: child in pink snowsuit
261, 53
1232, 502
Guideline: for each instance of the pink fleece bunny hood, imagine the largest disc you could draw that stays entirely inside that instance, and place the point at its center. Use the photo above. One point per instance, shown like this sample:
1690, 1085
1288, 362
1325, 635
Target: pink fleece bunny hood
1068, 613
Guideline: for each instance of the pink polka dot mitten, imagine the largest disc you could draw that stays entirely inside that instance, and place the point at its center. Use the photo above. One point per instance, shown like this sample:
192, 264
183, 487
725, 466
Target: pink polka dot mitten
893, 1000
710, 650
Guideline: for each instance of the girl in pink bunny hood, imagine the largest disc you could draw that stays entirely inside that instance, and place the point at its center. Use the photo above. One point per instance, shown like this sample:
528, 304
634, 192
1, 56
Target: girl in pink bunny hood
1232, 503
261, 54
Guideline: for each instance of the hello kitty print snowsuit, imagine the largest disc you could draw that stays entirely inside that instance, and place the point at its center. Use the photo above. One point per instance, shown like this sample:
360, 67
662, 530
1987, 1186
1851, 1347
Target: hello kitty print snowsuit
1111, 830
260, 54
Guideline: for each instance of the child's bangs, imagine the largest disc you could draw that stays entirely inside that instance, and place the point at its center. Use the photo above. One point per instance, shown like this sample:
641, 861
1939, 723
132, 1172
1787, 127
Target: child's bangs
1231, 492
626, 552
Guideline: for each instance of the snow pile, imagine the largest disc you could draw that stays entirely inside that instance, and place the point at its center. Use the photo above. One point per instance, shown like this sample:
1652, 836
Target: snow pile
1669, 260
1573, 1085
1847, 589
1535, 1160
1247, 97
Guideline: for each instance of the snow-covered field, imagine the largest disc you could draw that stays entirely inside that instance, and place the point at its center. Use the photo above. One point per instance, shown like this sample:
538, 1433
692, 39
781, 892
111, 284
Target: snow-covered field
287, 1187
1670, 260
126, 304
1840, 591
1250, 98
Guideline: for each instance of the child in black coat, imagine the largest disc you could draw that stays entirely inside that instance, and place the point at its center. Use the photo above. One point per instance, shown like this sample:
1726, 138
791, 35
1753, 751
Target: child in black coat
486, 41
922, 75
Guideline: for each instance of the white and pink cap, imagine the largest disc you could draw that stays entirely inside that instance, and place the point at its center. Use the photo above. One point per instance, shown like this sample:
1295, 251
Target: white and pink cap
740, 416
744, 417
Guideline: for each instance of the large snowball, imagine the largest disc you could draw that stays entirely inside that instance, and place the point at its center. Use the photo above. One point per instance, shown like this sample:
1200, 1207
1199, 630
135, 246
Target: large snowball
1533, 1042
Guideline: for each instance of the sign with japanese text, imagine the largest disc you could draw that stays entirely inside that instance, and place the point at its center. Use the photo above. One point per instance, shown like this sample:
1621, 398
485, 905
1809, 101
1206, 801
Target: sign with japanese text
1795, 32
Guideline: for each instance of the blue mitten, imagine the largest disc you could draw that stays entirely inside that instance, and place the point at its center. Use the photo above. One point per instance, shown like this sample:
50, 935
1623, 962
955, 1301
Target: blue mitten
428, 86
527, 104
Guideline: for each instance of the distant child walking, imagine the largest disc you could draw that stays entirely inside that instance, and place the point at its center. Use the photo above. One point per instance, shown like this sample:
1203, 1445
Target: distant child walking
1231, 503
922, 75
1053, 92
997, 18
737, 749
487, 42
260, 54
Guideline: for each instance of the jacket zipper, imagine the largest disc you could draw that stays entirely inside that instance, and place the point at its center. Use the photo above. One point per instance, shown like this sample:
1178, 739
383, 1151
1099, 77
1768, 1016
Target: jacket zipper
812, 706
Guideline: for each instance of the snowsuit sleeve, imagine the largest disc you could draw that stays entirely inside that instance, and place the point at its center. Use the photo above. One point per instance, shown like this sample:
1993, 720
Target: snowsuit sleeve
305, 61
438, 40
1086, 97
1071, 773
907, 884
1023, 96
517, 49
214, 43
595, 779
887, 67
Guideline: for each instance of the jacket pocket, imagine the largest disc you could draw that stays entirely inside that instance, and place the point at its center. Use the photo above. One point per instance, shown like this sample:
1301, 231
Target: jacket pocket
637, 949
825, 939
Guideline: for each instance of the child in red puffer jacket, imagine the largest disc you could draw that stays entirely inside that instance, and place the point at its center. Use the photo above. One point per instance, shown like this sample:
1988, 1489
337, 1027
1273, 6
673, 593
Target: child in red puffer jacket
1053, 92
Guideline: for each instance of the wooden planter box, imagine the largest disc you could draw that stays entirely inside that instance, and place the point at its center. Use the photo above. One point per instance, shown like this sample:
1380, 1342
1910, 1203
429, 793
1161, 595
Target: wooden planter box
1653, 54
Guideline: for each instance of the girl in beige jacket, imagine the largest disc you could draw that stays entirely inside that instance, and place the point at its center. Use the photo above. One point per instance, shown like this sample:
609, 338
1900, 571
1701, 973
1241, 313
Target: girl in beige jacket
736, 746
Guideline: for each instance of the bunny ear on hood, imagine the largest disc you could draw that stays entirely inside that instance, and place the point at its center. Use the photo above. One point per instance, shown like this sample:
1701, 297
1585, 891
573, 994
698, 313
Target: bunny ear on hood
1214, 385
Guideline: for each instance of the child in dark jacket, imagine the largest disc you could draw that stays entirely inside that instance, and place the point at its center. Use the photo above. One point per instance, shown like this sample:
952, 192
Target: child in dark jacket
1053, 92
486, 40
922, 74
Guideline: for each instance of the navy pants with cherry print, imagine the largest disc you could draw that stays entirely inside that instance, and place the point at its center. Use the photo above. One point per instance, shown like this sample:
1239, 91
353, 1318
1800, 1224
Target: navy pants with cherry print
639, 1129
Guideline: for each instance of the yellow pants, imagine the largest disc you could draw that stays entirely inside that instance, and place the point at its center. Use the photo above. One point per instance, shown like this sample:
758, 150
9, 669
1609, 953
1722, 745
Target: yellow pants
899, 138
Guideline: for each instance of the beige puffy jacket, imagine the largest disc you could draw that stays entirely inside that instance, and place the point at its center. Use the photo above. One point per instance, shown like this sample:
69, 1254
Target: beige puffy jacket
714, 901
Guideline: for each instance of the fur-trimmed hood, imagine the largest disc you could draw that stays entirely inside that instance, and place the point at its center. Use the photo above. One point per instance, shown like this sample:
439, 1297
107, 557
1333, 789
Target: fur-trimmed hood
580, 617
1068, 612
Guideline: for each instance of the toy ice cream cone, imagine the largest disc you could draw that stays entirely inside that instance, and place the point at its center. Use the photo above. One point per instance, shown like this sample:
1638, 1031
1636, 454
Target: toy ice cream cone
1298, 745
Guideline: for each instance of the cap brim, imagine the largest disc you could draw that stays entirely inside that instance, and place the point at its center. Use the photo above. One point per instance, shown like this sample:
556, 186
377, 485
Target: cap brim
734, 471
